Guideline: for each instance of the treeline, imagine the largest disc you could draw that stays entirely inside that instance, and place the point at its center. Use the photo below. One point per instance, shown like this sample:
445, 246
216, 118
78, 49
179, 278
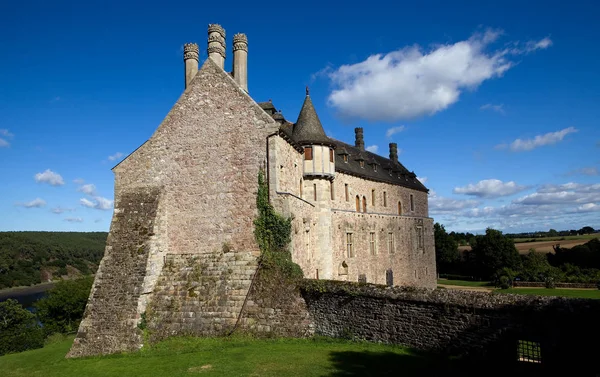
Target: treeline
24, 255
494, 257
553, 233
57, 314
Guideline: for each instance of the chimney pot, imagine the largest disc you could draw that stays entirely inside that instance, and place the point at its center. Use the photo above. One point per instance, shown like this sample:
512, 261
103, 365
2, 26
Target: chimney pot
359, 141
394, 152
240, 60
216, 44
190, 60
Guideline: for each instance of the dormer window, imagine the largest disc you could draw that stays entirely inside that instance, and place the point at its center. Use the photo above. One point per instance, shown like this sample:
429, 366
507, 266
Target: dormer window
308, 153
331, 155
362, 164
374, 167
346, 158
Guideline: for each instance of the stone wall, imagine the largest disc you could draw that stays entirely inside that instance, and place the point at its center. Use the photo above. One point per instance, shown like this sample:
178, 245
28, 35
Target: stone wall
456, 322
110, 320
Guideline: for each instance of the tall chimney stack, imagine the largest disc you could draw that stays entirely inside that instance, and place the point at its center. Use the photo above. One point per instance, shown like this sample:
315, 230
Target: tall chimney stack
394, 152
190, 59
359, 141
216, 44
240, 60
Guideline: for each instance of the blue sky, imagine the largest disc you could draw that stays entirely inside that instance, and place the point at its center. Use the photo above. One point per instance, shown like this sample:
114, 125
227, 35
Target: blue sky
494, 105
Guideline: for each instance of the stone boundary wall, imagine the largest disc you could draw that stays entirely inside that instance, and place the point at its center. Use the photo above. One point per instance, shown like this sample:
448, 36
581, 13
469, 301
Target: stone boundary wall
541, 284
455, 322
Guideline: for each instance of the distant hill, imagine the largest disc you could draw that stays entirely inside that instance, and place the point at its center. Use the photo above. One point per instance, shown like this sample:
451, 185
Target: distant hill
28, 258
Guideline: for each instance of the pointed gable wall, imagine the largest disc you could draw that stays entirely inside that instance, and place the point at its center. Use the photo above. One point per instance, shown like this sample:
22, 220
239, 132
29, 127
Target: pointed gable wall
205, 156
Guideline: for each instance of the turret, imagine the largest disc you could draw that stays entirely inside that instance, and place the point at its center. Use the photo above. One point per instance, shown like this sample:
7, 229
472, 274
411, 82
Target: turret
216, 44
190, 60
240, 60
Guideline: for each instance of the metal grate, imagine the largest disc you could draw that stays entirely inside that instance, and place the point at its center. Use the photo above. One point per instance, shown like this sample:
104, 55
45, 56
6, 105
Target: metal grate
529, 352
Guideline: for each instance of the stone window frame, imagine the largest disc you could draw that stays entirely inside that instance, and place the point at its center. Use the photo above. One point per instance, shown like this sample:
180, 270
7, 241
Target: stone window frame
372, 243
357, 203
301, 185
332, 190
308, 153
412, 203
390, 243
364, 204
315, 192
373, 197
307, 243
350, 245
420, 240
347, 192
385, 199
399, 208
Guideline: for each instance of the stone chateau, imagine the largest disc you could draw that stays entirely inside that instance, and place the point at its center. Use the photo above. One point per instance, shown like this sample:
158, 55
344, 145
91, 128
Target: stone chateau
181, 248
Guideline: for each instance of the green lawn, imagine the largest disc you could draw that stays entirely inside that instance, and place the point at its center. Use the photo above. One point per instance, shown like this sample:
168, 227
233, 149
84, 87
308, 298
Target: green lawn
464, 283
230, 357
578, 293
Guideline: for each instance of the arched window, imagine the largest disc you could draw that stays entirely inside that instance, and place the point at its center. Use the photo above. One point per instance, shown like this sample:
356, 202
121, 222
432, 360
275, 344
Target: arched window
357, 203
399, 208
364, 204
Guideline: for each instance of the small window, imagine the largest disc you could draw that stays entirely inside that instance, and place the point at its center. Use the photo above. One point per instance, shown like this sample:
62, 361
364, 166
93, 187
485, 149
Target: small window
391, 243
307, 244
372, 248
364, 204
375, 167
529, 351
346, 158
373, 198
362, 278
308, 155
300, 187
315, 191
346, 190
330, 155
412, 203
389, 277
385, 199
420, 238
349, 246
399, 208
357, 203
362, 164
331, 191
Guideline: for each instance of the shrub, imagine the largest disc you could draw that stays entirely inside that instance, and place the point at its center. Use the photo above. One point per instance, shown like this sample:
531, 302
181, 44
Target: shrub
550, 283
19, 330
504, 282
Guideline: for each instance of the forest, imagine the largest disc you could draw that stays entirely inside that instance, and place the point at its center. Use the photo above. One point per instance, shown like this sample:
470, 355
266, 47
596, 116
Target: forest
28, 258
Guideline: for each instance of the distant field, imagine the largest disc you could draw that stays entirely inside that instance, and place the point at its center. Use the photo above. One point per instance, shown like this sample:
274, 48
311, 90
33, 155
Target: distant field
464, 283
544, 245
576, 293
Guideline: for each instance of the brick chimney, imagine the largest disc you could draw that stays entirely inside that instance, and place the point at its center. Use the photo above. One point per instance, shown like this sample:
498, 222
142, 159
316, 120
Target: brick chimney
359, 141
394, 152
216, 44
190, 60
240, 60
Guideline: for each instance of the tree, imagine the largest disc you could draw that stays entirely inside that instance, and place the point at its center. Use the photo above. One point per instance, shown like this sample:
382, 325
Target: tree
62, 309
552, 233
19, 331
494, 251
586, 230
446, 249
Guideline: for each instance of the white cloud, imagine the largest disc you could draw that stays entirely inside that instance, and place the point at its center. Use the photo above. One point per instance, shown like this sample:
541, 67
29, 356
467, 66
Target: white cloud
35, 203
89, 189
592, 171
59, 210
3, 141
539, 45
393, 131
372, 148
438, 204
422, 179
98, 202
497, 108
115, 156
74, 219
490, 188
550, 138
50, 177
588, 207
79, 181
412, 82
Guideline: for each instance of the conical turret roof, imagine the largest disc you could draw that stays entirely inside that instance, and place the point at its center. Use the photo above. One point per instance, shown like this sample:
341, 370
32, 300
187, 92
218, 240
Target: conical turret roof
308, 128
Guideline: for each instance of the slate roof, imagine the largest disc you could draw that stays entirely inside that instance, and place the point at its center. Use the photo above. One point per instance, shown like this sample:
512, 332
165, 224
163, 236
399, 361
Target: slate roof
387, 171
308, 128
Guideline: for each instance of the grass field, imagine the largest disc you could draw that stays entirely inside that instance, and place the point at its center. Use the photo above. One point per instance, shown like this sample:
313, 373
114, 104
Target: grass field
464, 283
230, 357
576, 293
585, 237
544, 245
